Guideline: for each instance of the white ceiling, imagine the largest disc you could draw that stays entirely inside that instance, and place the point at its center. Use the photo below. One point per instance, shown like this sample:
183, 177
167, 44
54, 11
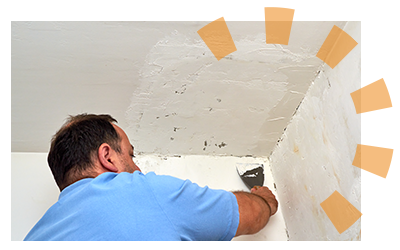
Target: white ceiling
161, 82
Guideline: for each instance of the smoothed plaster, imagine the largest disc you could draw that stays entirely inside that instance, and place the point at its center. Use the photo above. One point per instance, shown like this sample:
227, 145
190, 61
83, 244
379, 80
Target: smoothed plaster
186, 98
161, 82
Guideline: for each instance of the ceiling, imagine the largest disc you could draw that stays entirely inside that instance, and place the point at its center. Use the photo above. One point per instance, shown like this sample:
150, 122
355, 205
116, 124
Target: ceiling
161, 82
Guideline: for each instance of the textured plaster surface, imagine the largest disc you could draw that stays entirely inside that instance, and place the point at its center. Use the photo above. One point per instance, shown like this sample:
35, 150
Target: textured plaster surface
187, 102
161, 82
314, 156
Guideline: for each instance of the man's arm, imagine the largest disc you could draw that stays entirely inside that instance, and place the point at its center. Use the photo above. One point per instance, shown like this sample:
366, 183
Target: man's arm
255, 208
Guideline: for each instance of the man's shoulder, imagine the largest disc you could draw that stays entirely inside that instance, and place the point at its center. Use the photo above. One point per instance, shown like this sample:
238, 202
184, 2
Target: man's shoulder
164, 182
138, 178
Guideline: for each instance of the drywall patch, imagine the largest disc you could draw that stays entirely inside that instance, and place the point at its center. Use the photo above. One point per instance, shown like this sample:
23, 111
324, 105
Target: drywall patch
240, 104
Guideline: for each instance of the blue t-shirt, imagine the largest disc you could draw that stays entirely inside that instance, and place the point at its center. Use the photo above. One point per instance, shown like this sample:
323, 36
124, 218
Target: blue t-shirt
139, 206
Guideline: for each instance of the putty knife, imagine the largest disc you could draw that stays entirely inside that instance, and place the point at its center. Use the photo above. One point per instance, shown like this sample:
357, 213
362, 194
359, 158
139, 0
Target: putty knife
252, 174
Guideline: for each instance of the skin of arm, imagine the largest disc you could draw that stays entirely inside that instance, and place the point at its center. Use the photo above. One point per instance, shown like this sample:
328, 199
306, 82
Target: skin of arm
255, 209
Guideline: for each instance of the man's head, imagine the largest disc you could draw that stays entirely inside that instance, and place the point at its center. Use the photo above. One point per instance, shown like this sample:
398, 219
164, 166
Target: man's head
88, 145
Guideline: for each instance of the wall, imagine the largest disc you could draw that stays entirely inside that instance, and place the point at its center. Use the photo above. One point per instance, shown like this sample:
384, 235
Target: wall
194, 104
161, 82
314, 156
33, 191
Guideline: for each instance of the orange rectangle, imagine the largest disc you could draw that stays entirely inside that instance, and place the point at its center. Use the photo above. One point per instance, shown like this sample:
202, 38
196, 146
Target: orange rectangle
372, 97
278, 24
373, 159
340, 211
336, 46
218, 38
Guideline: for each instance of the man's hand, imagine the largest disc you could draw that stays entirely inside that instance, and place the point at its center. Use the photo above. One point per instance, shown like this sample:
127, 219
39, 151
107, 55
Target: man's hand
255, 208
268, 196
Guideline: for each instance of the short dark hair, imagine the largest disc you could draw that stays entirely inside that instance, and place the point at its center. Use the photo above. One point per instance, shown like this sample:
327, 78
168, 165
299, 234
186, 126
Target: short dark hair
76, 143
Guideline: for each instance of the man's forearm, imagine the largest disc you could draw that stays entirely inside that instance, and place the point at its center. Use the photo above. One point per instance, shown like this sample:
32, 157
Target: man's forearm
254, 213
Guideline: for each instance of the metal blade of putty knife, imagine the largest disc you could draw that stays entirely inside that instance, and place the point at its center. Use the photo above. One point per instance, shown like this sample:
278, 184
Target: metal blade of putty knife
252, 174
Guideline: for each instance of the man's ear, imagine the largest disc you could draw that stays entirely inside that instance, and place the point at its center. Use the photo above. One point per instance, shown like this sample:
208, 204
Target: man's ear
107, 158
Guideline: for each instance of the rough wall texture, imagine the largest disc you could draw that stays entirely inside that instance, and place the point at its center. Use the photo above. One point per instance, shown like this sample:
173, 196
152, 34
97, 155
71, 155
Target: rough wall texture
161, 82
314, 156
192, 104
187, 102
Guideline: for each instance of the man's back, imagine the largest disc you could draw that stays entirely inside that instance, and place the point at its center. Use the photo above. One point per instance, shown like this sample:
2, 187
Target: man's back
138, 207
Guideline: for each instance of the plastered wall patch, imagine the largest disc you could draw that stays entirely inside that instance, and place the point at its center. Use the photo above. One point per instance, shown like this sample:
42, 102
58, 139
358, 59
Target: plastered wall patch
372, 97
340, 211
336, 46
218, 38
278, 23
373, 159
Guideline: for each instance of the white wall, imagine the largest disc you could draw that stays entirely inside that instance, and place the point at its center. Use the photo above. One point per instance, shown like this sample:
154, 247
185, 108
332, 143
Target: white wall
33, 191
161, 82
314, 156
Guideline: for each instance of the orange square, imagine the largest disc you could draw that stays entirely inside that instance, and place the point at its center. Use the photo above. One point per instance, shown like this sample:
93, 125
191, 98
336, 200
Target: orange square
278, 23
341, 212
372, 97
336, 46
218, 38
373, 159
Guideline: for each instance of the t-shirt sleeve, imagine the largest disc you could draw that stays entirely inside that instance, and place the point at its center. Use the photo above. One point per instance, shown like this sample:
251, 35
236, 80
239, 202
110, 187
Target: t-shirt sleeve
197, 213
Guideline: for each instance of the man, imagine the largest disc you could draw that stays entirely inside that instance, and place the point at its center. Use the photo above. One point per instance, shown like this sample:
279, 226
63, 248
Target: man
105, 196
